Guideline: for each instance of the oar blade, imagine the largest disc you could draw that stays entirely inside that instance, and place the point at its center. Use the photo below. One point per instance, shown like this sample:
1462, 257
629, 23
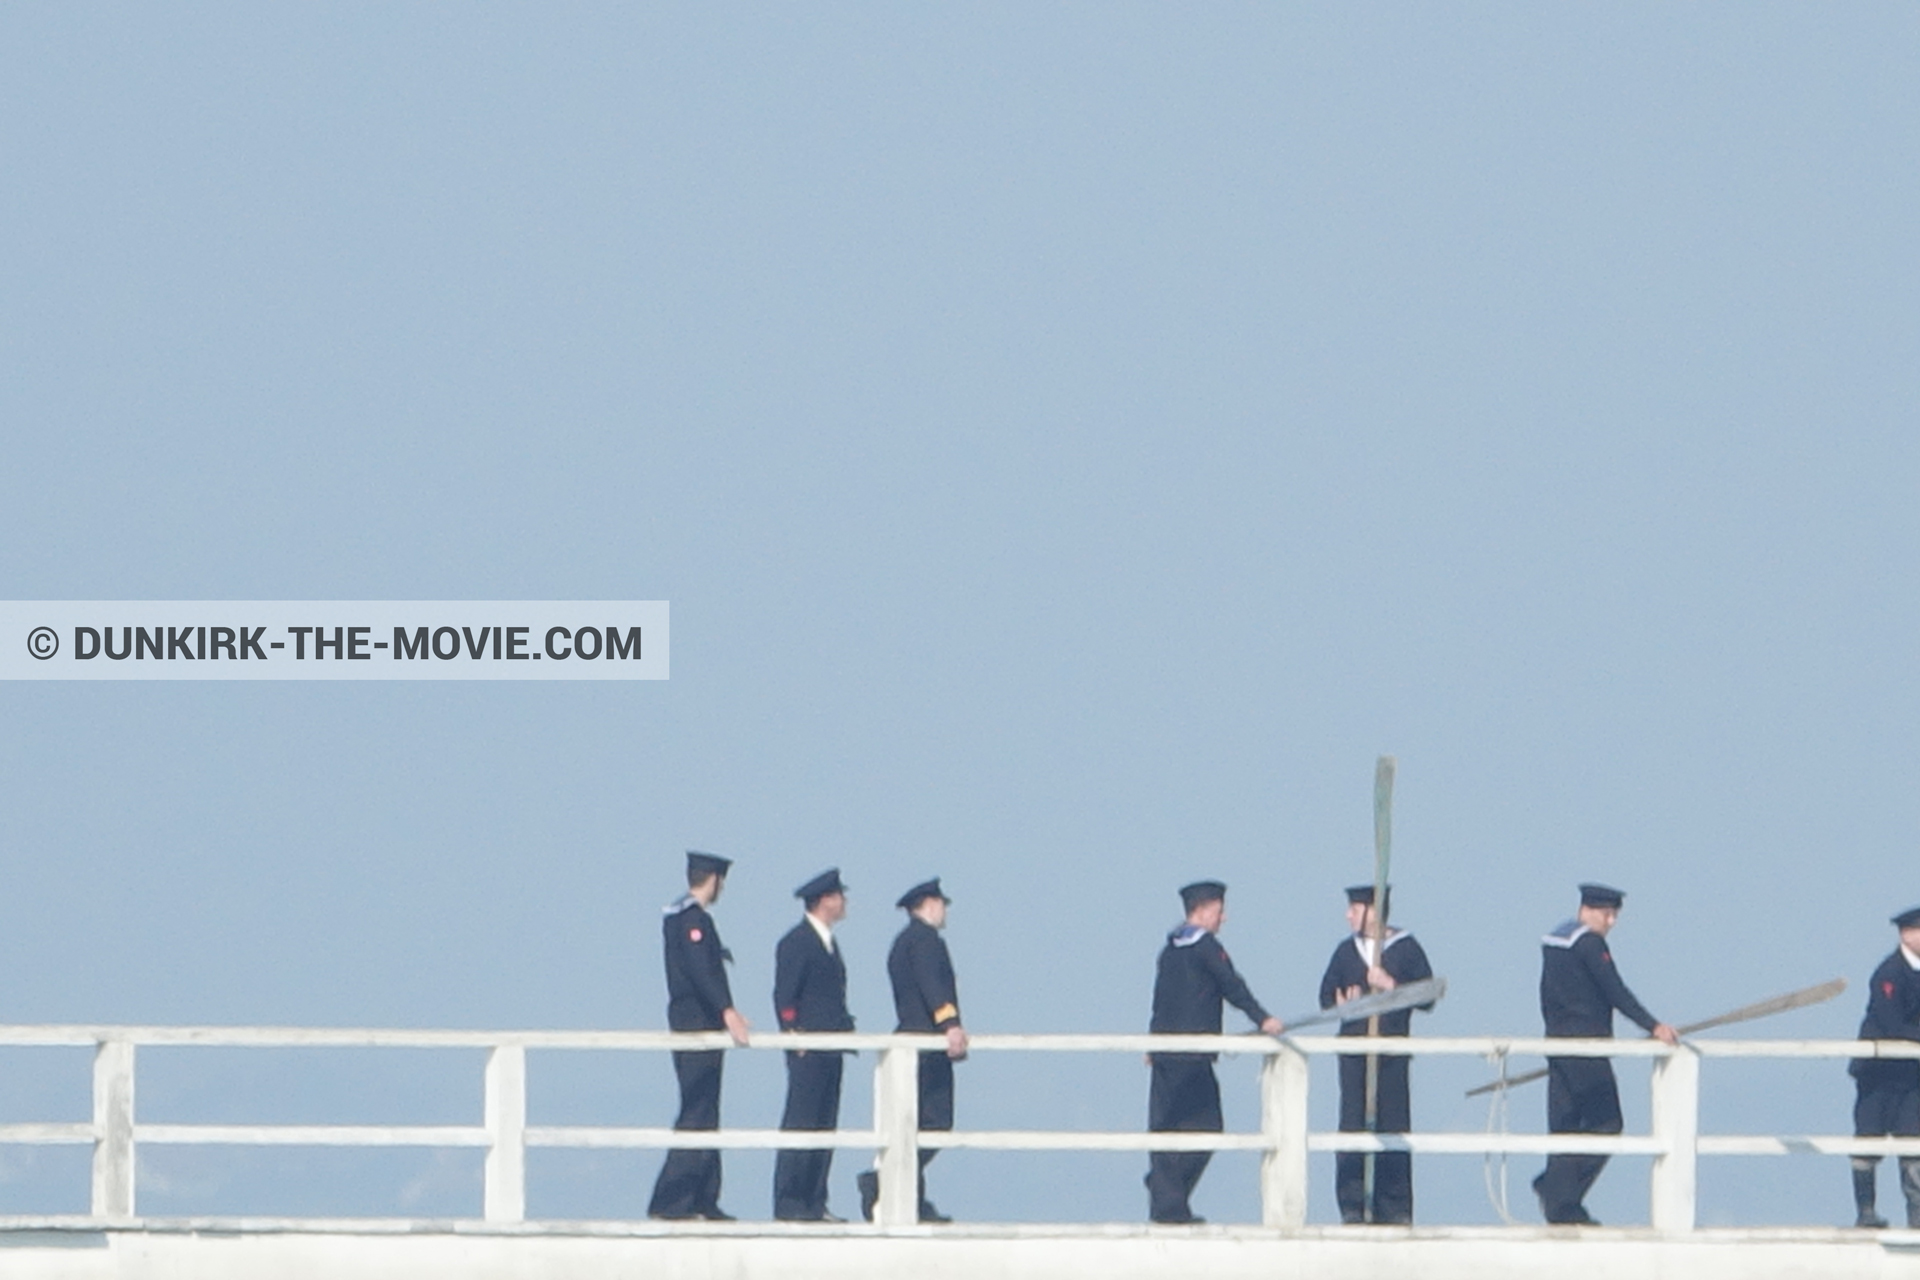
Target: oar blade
1383, 771
1405, 996
1767, 1008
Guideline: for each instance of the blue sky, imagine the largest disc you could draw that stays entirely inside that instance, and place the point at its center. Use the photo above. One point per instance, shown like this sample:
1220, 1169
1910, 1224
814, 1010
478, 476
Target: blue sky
1075, 441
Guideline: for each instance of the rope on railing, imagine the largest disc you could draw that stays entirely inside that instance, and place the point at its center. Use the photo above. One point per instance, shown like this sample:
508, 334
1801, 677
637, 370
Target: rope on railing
1497, 1124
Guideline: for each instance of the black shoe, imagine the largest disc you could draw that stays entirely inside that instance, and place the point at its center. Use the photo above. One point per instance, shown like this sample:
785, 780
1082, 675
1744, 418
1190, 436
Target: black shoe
673, 1217
1870, 1221
1540, 1197
717, 1214
1574, 1217
1353, 1219
1188, 1220
930, 1214
869, 1184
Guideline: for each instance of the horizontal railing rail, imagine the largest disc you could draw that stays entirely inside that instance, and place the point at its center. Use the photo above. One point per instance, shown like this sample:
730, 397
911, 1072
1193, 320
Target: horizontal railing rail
1283, 1139
86, 1035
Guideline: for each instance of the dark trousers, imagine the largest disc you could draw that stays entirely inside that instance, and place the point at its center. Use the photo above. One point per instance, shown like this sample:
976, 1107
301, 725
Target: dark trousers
1581, 1098
1392, 1170
689, 1181
936, 1104
1886, 1104
936, 1111
1184, 1098
813, 1102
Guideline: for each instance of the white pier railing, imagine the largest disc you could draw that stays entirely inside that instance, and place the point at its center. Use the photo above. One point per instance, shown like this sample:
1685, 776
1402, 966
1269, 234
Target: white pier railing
1284, 1140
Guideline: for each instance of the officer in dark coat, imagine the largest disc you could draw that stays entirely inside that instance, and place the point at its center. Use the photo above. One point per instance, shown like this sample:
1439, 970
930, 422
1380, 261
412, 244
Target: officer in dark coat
925, 999
1887, 1090
1579, 991
810, 994
698, 999
1193, 979
1352, 973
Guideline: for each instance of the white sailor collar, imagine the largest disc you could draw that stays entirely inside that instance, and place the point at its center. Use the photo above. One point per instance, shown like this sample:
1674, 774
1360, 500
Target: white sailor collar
1566, 933
1364, 945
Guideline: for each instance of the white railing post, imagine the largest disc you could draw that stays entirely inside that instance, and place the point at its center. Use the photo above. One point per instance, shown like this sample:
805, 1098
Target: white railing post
505, 1195
1676, 1122
113, 1129
1283, 1123
896, 1121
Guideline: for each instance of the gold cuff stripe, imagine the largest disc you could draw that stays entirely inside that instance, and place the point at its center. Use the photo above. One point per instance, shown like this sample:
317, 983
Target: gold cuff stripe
946, 1011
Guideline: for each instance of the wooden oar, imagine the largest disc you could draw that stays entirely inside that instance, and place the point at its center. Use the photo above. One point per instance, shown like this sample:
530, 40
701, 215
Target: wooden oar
1383, 771
1766, 1008
1746, 1013
1377, 1004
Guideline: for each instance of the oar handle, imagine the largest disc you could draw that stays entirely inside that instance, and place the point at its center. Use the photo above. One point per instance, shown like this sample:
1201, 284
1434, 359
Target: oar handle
1525, 1077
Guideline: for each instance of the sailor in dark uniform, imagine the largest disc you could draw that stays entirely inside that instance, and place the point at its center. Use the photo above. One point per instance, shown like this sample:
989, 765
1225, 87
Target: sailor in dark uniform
1579, 991
1194, 978
1350, 974
698, 999
1887, 1090
925, 999
810, 994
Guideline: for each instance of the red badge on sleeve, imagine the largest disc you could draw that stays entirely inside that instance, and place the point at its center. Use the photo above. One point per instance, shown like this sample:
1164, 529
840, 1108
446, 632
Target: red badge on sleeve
694, 934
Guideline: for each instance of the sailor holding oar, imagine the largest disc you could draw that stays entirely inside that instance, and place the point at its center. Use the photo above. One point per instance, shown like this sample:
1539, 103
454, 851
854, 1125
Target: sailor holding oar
1579, 991
1370, 960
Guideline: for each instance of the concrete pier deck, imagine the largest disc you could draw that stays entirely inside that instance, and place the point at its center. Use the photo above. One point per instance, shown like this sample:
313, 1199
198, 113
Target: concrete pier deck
390, 1249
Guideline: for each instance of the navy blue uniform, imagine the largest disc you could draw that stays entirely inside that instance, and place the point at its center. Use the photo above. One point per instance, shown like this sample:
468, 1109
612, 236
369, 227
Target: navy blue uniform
697, 995
926, 998
1193, 981
809, 994
1887, 1090
1393, 1111
1579, 991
